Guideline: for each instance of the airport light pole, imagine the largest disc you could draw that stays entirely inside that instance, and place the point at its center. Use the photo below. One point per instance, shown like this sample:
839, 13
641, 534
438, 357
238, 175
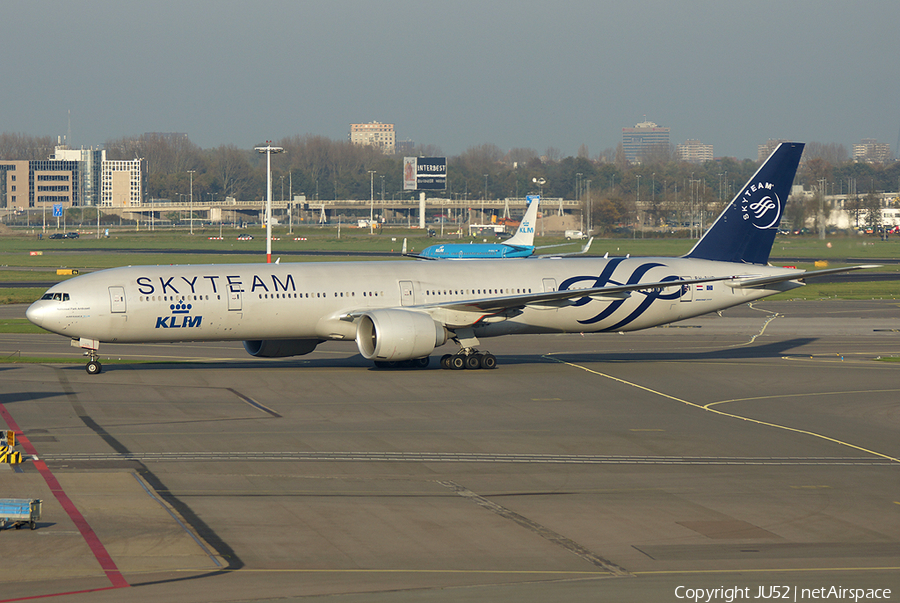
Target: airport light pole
590, 224
637, 206
540, 182
484, 198
191, 172
371, 201
268, 150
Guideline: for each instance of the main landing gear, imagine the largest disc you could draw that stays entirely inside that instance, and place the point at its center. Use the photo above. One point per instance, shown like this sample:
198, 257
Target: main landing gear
468, 359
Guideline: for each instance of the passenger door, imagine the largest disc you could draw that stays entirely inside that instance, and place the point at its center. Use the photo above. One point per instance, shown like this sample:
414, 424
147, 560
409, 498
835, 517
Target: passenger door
407, 294
117, 300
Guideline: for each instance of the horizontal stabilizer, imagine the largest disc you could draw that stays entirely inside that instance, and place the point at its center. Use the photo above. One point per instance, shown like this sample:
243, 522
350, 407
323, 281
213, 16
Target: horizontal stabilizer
763, 281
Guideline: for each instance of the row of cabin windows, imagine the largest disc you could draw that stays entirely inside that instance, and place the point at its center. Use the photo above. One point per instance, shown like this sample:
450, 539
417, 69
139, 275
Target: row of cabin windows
479, 292
176, 297
336, 294
153, 298
315, 295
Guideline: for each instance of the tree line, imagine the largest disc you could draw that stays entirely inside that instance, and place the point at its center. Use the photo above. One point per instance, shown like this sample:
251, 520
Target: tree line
669, 190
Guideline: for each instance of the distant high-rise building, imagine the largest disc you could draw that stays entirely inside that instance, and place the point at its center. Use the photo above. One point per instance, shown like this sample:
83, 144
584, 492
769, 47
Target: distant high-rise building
122, 184
694, 151
374, 134
71, 178
870, 150
764, 150
642, 138
89, 162
37, 184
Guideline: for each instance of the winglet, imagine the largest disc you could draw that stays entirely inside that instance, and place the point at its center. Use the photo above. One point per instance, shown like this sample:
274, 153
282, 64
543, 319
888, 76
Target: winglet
587, 245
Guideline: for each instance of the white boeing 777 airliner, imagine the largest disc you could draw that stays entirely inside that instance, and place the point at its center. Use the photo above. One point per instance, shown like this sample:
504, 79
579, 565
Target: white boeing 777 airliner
398, 312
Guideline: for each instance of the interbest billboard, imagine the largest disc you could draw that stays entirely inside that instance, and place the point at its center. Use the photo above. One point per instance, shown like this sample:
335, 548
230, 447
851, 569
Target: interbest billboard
424, 173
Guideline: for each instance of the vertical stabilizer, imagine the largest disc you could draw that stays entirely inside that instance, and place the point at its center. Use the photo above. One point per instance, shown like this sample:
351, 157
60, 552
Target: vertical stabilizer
525, 234
745, 231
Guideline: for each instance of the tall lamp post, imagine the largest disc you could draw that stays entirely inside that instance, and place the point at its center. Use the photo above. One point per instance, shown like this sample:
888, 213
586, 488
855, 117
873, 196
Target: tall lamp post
540, 182
191, 172
268, 150
637, 206
371, 201
590, 219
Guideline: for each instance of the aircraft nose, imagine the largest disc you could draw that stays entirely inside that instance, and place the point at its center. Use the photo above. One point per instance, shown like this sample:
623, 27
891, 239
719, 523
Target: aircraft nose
36, 313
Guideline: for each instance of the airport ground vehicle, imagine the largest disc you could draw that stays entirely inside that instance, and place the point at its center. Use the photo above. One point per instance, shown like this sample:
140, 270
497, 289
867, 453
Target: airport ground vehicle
20, 511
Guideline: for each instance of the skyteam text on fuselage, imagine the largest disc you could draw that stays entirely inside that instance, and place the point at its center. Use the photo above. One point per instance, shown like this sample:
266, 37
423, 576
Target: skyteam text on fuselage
399, 312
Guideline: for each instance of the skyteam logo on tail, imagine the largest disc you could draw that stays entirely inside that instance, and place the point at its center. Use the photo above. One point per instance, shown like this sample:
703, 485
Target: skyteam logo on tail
761, 205
180, 318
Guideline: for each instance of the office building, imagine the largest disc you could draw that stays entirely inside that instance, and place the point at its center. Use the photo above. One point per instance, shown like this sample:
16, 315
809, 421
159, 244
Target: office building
121, 183
374, 134
89, 162
642, 139
694, 151
870, 150
36, 184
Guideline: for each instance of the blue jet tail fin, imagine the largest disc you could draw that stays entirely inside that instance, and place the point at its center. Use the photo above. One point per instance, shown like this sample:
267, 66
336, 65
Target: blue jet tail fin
745, 231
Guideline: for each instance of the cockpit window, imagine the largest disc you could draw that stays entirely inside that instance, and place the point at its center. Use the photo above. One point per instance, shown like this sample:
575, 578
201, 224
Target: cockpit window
56, 296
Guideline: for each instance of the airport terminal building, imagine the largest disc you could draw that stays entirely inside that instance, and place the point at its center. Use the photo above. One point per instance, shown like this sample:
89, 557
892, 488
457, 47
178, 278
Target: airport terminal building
71, 178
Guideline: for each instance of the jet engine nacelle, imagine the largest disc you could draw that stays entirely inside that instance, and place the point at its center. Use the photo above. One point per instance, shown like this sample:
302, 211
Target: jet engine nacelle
280, 348
392, 335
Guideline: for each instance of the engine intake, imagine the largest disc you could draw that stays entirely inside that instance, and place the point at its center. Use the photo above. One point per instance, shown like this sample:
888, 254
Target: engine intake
398, 335
280, 348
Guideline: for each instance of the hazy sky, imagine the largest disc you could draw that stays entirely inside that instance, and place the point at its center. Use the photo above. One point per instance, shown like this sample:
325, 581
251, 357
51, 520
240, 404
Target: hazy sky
455, 73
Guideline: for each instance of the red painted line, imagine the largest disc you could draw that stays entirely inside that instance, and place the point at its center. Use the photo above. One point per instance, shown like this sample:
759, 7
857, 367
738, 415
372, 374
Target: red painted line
74, 592
87, 533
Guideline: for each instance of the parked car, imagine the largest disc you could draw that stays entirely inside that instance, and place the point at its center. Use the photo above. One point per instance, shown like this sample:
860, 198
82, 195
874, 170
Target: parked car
71, 235
57, 235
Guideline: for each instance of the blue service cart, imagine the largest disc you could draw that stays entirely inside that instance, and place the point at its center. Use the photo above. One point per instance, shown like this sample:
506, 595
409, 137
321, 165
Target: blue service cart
19, 512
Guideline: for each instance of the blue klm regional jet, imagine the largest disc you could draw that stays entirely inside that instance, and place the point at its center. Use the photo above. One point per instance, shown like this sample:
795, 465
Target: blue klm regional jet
520, 245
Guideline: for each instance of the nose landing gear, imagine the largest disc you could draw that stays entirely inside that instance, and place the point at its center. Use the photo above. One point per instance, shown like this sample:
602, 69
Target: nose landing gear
93, 367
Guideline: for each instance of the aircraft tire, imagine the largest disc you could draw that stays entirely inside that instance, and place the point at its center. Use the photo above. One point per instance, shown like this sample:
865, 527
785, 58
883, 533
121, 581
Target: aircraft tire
422, 362
488, 361
445, 361
93, 367
457, 363
473, 361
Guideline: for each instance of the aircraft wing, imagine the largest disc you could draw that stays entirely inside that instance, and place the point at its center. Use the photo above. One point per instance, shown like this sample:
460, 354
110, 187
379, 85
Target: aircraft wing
583, 250
472, 311
404, 253
751, 282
